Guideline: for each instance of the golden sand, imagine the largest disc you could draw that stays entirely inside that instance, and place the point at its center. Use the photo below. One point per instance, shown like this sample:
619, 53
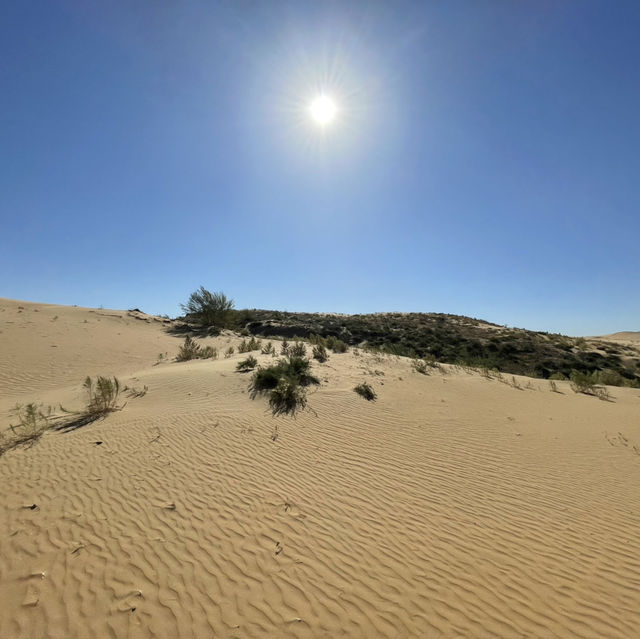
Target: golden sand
453, 506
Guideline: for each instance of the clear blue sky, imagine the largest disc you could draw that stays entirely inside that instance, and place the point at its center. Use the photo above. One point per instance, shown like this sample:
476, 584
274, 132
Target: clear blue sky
484, 159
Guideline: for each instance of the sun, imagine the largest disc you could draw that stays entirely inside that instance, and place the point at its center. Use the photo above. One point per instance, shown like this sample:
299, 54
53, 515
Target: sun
323, 110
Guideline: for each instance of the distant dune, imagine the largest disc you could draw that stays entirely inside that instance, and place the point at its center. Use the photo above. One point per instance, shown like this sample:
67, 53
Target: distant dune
624, 336
455, 505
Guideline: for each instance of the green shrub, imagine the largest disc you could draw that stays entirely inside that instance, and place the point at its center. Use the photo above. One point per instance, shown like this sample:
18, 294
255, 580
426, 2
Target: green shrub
209, 352
336, 345
298, 349
192, 350
33, 419
247, 346
365, 390
209, 309
287, 397
558, 377
101, 395
320, 353
285, 381
582, 383
247, 364
284, 349
268, 349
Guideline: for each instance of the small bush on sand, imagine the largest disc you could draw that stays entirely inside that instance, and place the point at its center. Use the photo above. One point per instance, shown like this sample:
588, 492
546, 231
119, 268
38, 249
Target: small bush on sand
336, 344
268, 349
559, 377
247, 346
286, 383
365, 390
298, 349
209, 309
247, 364
102, 394
192, 350
33, 420
284, 349
287, 397
320, 353
420, 366
229, 352
582, 383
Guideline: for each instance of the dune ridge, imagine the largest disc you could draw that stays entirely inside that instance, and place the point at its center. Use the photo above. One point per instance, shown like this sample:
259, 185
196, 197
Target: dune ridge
453, 506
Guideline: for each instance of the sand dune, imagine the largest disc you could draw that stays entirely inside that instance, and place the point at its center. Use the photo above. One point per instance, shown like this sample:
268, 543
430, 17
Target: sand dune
453, 506
624, 336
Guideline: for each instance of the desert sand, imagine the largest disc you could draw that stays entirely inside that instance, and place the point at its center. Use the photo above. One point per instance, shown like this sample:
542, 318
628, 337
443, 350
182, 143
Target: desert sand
453, 506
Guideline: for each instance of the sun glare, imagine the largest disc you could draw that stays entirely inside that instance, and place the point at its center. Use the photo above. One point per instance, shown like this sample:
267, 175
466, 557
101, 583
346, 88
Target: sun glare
323, 110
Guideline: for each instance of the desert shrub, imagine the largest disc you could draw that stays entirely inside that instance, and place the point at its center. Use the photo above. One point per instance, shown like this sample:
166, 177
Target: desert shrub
188, 350
101, 395
298, 349
320, 353
285, 381
247, 364
247, 346
558, 377
297, 369
287, 397
209, 352
420, 366
209, 309
192, 350
336, 344
365, 390
33, 419
583, 383
610, 378
268, 349
284, 349
230, 351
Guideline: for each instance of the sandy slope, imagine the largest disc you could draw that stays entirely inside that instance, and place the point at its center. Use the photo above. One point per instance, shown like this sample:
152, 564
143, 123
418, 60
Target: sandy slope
454, 506
632, 337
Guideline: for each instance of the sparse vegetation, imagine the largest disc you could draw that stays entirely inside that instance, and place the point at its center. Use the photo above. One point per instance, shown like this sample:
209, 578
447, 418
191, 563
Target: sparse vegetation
268, 349
365, 390
209, 309
247, 346
284, 348
588, 385
286, 383
192, 350
33, 420
424, 365
247, 364
229, 352
134, 392
287, 397
298, 349
320, 353
454, 340
102, 394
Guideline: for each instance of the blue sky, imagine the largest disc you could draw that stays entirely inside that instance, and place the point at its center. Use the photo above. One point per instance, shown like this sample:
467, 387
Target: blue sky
483, 160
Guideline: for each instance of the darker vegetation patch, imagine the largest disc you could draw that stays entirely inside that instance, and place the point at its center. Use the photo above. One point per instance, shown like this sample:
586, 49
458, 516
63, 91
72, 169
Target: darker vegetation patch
365, 390
285, 382
452, 339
